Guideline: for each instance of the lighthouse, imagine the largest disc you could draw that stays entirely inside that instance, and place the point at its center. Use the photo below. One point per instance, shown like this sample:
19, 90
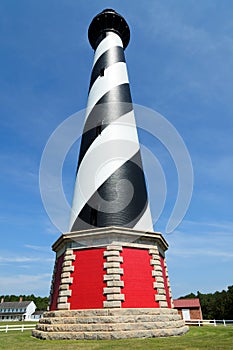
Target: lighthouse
117, 195
110, 278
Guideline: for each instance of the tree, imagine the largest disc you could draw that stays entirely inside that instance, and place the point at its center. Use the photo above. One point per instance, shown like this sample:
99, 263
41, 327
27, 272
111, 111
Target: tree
41, 302
218, 305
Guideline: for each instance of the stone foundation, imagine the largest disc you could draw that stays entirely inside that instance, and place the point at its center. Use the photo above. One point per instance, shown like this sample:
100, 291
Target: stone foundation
110, 324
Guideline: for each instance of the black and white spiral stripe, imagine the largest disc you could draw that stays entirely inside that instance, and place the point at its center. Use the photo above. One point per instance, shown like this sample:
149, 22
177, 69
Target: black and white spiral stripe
102, 165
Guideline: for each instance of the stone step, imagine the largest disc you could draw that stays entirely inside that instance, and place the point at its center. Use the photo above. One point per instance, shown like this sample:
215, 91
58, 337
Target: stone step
110, 319
110, 312
111, 334
109, 326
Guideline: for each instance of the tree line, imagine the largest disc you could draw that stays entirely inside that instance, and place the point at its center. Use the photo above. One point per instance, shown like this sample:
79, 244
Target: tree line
218, 305
41, 302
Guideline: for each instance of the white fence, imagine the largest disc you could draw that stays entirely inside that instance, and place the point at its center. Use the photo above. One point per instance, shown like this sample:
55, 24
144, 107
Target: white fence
25, 327
17, 327
209, 322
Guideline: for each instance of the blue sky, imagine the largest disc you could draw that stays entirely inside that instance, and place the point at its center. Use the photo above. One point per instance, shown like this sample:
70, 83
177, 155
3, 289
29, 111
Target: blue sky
180, 63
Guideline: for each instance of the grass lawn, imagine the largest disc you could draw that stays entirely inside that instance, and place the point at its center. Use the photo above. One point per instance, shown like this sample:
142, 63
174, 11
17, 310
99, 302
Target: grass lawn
207, 337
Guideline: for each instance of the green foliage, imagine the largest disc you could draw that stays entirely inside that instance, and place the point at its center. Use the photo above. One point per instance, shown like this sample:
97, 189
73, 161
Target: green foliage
189, 296
218, 306
41, 302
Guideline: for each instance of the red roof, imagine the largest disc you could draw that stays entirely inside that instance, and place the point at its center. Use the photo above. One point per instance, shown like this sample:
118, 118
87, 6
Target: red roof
186, 303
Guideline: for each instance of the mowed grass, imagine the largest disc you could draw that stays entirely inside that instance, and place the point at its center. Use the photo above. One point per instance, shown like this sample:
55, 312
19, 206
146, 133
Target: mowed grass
207, 337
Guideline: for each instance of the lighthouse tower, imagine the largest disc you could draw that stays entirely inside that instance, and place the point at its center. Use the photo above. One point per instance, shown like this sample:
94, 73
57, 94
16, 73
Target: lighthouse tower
110, 276
110, 185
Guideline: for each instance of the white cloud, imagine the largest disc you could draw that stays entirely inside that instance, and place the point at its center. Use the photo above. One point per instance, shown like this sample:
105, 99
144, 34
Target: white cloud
199, 252
37, 248
23, 173
16, 259
192, 253
25, 284
206, 225
202, 241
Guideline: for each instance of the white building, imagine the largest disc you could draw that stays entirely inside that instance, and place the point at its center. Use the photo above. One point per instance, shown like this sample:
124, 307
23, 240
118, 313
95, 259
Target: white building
37, 315
17, 310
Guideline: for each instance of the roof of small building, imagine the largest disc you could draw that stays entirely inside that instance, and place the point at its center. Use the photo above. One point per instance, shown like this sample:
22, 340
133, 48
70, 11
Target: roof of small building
39, 312
14, 304
186, 303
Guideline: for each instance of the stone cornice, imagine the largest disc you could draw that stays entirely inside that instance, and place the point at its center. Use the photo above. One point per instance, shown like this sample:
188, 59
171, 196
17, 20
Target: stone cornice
107, 235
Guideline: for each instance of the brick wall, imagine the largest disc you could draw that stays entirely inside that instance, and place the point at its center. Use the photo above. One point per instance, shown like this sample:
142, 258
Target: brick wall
195, 313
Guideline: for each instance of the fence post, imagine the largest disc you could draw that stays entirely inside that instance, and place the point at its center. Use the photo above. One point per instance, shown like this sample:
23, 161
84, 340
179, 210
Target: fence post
22, 328
6, 328
215, 323
199, 323
224, 322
